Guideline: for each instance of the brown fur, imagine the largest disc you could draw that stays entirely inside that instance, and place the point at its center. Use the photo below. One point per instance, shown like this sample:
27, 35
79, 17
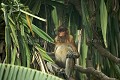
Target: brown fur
62, 45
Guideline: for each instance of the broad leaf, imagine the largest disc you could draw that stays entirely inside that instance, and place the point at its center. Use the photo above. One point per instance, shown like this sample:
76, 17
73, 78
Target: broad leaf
12, 72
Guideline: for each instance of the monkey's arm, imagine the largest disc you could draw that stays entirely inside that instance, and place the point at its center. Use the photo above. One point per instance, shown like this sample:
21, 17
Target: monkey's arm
72, 42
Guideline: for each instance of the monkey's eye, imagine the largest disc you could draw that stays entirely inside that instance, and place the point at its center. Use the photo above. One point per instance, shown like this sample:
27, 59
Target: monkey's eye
61, 30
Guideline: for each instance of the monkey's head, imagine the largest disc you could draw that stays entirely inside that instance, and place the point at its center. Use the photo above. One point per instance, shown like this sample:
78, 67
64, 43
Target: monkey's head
62, 31
62, 34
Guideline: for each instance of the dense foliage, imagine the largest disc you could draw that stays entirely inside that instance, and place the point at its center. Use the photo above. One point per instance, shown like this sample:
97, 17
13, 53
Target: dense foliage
28, 28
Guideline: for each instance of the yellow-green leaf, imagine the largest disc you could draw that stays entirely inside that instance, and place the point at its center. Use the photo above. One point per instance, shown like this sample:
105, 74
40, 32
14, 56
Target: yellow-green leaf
103, 19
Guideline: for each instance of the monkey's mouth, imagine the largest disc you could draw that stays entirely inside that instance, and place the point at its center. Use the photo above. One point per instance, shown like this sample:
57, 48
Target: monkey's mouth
62, 39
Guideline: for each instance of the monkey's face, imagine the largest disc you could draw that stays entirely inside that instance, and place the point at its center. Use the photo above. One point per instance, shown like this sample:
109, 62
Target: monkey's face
62, 37
61, 34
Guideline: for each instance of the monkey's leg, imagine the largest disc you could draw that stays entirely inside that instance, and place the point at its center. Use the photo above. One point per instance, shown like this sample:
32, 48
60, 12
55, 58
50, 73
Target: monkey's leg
70, 63
55, 69
69, 67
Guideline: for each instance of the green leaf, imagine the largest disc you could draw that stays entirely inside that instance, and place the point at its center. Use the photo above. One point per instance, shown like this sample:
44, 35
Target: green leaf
13, 29
36, 8
13, 55
103, 19
55, 17
86, 19
2, 71
20, 74
23, 73
36, 75
32, 75
6, 72
14, 73
40, 32
84, 50
27, 52
22, 49
7, 32
28, 74
11, 73
43, 53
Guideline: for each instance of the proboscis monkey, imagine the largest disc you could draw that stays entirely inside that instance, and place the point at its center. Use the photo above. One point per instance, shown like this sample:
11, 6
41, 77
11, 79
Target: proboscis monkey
64, 45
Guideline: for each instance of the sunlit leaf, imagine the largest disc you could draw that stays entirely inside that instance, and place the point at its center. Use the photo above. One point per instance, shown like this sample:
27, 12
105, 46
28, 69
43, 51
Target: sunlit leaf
29, 25
103, 19
32, 15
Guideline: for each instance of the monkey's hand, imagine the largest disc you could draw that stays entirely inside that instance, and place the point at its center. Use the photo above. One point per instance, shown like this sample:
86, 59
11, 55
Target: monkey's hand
72, 54
61, 71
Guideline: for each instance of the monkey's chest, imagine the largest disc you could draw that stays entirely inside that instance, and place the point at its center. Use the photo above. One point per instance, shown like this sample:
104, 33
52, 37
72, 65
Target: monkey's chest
61, 52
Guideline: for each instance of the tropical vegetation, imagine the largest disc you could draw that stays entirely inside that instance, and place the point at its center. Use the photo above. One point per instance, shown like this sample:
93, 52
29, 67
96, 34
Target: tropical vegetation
28, 28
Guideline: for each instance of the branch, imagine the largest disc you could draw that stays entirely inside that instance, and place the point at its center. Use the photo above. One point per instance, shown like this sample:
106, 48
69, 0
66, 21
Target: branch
94, 72
106, 53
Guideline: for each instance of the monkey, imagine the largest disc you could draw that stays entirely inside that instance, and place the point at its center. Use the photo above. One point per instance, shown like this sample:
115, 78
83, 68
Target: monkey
65, 49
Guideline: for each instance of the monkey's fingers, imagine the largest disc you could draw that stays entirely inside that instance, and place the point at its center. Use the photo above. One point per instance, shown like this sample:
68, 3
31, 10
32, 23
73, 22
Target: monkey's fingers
76, 55
72, 55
